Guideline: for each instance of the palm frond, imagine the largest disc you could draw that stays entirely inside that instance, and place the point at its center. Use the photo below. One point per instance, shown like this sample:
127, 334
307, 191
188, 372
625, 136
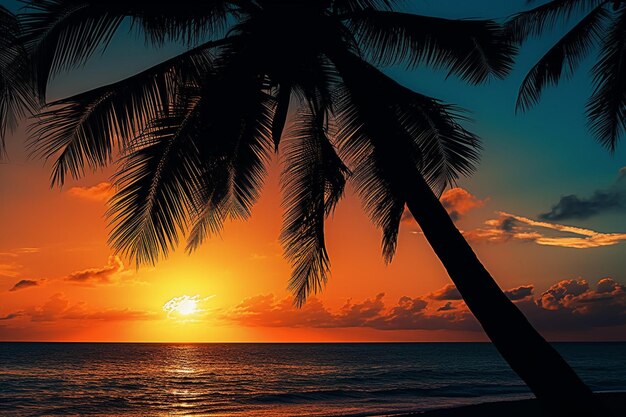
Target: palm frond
84, 129
238, 119
313, 182
563, 58
156, 185
189, 21
389, 133
447, 150
280, 115
606, 108
348, 6
474, 50
16, 93
534, 22
60, 34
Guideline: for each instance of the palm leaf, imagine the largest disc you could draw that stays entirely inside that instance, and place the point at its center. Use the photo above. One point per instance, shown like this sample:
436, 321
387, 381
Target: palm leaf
61, 34
156, 185
344, 6
238, 122
606, 108
472, 49
563, 58
280, 115
84, 129
189, 21
389, 133
313, 182
16, 94
539, 19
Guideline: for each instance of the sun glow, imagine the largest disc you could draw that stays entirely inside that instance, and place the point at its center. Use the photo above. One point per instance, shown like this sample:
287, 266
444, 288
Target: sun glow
185, 305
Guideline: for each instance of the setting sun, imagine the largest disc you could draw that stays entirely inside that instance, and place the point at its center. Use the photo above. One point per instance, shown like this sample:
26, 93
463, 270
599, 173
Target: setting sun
184, 305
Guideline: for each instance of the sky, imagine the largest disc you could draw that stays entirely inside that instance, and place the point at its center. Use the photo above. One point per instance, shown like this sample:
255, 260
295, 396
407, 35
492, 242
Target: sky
545, 213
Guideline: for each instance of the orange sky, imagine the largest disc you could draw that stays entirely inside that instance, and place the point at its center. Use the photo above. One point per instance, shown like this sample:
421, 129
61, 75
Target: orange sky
71, 287
60, 281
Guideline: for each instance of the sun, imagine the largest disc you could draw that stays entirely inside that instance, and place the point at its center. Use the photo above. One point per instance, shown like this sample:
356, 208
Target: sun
185, 305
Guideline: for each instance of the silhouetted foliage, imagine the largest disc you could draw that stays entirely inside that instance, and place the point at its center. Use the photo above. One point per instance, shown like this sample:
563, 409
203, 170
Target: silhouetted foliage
16, 94
601, 27
196, 131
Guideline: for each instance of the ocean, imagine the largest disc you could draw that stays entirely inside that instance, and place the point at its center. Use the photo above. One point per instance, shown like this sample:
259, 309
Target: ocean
135, 379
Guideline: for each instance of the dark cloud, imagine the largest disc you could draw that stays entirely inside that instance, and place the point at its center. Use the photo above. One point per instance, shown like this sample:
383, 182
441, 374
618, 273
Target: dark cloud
519, 293
574, 305
574, 207
25, 283
449, 292
104, 275
447, 307
12, 316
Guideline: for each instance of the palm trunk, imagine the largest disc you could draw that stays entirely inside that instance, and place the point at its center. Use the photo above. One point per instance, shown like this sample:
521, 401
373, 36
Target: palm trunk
549, 377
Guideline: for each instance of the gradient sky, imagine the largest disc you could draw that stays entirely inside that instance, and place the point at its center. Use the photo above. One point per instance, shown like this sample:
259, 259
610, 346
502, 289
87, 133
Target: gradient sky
565, 267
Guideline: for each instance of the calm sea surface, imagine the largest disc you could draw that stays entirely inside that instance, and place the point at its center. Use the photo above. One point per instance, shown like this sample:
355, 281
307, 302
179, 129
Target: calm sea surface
71, 379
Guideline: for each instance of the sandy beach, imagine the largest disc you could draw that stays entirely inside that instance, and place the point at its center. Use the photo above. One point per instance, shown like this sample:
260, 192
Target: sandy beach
614, 401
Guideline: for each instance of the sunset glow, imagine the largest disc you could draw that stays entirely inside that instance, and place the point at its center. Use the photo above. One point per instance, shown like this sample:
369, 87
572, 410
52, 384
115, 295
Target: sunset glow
184, 305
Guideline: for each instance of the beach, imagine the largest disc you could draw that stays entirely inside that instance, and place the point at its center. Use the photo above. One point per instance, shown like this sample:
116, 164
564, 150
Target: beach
614, 401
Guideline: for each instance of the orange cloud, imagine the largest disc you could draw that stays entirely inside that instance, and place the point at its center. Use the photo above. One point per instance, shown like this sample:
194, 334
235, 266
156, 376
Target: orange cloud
104, 275
408, 314
98, 192
569, 302
57, 307
457, 201
511, 227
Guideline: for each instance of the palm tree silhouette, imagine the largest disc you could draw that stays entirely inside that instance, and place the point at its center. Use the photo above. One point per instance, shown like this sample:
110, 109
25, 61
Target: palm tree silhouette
16, 93
601, 24
196, 132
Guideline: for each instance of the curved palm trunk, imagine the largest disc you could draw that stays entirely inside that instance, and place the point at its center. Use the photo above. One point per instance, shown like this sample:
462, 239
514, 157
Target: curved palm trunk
550, 378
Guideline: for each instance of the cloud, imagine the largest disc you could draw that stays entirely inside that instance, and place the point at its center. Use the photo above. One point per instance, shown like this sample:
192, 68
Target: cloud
25, 283
457, 201
58, 307
408, 314
100, 192
573, 304
601, 201
50, 310
566, 305
105, 275
9, 267
12, 316
511, 227
447, 307
449, 292
519, 293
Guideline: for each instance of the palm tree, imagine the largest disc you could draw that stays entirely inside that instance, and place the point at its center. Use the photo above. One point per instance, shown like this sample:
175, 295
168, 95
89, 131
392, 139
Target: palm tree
196, 132
600, 25
16, 94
